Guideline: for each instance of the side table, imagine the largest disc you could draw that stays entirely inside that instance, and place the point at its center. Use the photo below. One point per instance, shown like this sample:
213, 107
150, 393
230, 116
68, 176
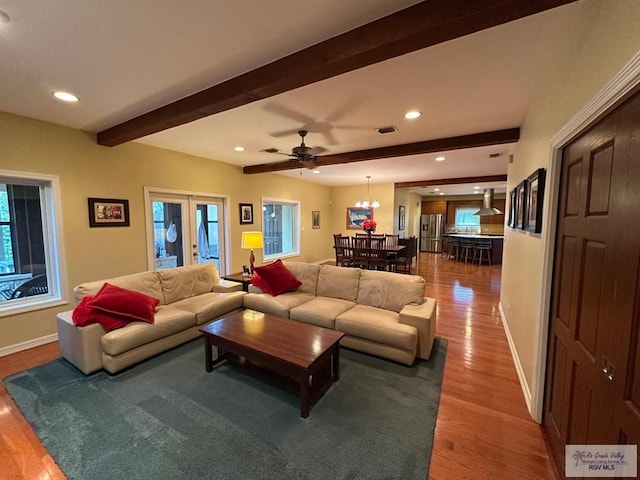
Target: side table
240, 278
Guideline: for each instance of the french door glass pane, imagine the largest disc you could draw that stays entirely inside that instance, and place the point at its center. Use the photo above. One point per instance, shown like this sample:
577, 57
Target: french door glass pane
208, 233
167, 234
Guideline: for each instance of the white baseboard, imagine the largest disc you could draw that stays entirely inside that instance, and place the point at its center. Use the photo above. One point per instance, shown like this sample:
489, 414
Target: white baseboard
516, 361
36, 342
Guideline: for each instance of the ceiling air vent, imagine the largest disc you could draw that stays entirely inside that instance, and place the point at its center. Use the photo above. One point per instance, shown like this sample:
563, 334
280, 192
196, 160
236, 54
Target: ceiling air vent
383, 130
271, 150
495, 155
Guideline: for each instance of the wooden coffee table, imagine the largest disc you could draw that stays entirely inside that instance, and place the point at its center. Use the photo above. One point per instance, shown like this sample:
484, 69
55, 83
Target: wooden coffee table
306, 354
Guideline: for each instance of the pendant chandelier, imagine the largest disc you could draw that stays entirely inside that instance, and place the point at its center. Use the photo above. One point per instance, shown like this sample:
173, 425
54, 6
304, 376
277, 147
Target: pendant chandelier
366, 203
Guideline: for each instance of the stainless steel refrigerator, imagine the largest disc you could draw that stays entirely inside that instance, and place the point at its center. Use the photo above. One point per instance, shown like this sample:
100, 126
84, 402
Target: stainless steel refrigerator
431, 228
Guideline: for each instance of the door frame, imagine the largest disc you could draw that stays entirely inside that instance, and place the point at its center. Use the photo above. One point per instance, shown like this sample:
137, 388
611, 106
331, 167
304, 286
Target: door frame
148, 215
622, 86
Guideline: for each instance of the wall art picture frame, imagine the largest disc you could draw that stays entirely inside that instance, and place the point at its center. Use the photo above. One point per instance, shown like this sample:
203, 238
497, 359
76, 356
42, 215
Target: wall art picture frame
513, 208
535, 198
521, 210
108, 212
315, 219
401, 217
246, 213
356, 215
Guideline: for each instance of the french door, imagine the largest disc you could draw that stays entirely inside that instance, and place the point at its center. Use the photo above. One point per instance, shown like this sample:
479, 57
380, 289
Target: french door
185, 230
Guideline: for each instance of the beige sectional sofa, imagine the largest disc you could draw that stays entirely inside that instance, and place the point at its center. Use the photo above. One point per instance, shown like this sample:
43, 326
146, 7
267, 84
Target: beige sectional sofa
188, 298
381, 313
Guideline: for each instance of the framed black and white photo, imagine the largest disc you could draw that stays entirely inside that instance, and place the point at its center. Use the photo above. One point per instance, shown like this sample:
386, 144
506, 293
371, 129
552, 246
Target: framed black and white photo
521, 210
401, 217
246, 214
535, 197
513, 208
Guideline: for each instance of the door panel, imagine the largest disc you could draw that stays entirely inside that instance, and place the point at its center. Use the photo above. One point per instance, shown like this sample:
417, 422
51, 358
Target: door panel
592, 389
186, 230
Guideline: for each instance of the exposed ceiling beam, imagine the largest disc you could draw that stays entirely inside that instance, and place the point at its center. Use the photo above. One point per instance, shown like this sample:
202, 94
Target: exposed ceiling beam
451, 181
484, 139
425, 24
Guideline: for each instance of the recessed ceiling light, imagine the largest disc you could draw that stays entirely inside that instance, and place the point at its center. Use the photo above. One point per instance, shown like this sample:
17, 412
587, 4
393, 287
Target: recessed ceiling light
65, 96
436, 189
441, 193
239, 148
412, 115
439, 159
316, 171
477, 187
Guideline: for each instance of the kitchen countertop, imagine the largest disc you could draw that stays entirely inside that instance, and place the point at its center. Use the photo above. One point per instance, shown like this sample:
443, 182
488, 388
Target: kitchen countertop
475, 235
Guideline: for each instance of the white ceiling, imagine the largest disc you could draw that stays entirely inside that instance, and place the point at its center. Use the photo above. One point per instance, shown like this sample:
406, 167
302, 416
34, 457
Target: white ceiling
124, 58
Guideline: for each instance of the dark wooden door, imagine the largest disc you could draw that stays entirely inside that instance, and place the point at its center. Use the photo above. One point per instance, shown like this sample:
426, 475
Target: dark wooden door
593, 365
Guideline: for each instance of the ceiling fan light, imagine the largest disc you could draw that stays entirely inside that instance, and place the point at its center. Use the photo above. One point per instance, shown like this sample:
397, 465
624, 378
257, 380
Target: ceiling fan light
365, 204
359, 204
375, 204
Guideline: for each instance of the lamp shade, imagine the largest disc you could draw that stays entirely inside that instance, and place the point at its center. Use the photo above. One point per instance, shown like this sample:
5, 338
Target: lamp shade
252, 240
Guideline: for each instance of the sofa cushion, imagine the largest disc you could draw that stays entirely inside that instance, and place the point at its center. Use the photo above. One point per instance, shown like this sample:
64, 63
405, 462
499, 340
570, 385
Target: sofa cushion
279, 305
321, 311
338, 282
377, 325
307, 273
210, 306
124, 303
169, 320
185, 282
278, 277
145, 282
391, 291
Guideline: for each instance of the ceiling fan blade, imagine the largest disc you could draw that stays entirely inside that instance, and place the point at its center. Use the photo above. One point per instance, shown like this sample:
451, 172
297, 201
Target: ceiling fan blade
276, 152
329, 138
283, 111
317, 150
339, 113
285, 133
310, 163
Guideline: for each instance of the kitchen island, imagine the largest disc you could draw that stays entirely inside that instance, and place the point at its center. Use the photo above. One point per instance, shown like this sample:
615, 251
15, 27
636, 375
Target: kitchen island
497, 241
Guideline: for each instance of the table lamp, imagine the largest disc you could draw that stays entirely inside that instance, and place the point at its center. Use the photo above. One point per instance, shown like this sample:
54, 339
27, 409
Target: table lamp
252, 240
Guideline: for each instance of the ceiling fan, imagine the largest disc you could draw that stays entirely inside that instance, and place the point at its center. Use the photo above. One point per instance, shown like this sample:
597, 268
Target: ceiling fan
305, 155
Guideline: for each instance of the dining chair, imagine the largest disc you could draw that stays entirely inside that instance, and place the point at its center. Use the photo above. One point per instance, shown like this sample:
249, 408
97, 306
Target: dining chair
342, 247
360, 252
378, 254
391, 244
405, 256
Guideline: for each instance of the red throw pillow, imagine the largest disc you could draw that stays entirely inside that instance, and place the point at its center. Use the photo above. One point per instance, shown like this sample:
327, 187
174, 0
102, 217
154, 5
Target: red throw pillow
125, 304
261, 284
83, 314
278, 277
110, 322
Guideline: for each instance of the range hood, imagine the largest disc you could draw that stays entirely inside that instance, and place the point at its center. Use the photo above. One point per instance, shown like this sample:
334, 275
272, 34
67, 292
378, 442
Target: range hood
487, 204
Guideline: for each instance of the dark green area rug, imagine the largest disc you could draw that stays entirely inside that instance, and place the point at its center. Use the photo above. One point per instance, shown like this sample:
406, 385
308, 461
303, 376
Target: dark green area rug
168, 419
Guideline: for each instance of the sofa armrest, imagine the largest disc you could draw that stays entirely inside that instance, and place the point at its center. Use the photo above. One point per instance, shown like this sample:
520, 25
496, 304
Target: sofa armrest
81, 346
423, 317
226, 286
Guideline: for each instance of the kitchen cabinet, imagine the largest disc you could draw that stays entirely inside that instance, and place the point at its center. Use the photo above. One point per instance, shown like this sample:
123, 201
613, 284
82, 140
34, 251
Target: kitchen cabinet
430, 207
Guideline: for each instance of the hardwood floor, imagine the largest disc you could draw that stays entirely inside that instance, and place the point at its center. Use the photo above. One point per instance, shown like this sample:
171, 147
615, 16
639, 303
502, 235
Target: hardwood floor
483, 432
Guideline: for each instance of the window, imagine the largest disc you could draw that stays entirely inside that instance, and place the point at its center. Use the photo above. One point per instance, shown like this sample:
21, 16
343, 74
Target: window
29, 273
466, 220
280, 227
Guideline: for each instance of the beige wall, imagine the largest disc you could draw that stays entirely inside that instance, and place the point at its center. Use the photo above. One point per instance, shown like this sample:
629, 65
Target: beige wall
343, 197
611, 42
88, 170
